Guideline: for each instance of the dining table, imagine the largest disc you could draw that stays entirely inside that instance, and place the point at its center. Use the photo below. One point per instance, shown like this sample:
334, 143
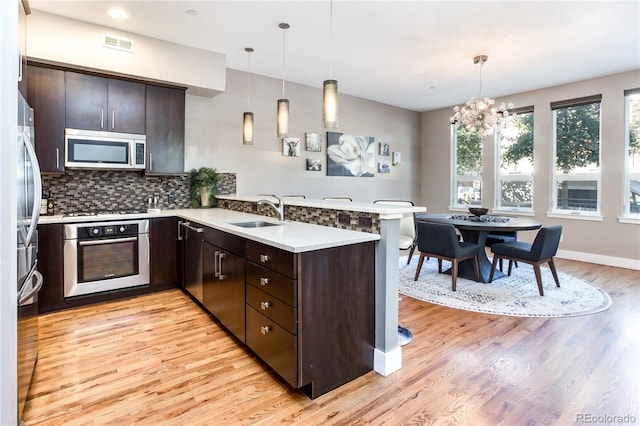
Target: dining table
474, 229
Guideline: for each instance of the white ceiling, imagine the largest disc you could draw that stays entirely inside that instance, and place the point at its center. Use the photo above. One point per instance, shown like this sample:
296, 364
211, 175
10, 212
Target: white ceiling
412, 54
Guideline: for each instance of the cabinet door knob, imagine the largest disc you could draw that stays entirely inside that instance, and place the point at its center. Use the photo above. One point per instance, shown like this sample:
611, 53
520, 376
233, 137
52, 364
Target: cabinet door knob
265, 305
264, 258
264, 280
265, 329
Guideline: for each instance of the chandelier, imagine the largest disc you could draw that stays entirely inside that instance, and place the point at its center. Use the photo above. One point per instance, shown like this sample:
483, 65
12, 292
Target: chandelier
479, 115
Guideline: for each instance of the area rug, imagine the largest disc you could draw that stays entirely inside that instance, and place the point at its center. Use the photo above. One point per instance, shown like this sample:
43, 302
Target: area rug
516, 295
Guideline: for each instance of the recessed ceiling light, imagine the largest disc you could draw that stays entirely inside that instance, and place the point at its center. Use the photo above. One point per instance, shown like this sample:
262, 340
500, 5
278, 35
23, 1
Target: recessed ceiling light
192, 12
118, 13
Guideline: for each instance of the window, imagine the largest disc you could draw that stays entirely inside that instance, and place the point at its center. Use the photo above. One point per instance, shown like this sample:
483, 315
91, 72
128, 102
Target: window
514, 180
467, 163
632, 153
576, 148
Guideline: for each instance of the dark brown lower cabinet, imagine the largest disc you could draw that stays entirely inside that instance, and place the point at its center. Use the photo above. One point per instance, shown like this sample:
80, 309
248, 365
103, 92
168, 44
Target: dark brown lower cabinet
223, 287
163, 240
313, 324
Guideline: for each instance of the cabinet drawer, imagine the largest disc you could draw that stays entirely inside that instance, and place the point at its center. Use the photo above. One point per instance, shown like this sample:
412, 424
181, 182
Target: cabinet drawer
273, 344
224, 240
280, 261
273, 283
272, 308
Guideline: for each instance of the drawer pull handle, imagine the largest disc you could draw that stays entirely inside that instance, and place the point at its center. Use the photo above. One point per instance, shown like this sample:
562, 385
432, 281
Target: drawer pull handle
264, 258
265, 329
265, 305
264, 280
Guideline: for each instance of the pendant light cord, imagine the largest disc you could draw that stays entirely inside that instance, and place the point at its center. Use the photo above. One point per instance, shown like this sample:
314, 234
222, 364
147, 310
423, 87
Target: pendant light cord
248, 77
480, 93
330, 38
284, 29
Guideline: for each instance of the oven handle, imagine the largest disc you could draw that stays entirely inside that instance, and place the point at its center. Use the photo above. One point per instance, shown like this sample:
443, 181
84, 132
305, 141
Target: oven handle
109, 241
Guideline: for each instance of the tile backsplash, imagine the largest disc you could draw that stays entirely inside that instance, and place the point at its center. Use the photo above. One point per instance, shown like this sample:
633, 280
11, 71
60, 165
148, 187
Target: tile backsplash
98, 190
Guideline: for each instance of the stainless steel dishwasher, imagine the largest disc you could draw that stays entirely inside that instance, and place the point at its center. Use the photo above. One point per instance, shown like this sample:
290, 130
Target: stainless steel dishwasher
192, 275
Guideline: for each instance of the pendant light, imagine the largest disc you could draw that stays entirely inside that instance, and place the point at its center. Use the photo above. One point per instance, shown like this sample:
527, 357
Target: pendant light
330, 87
247, 119
283, 103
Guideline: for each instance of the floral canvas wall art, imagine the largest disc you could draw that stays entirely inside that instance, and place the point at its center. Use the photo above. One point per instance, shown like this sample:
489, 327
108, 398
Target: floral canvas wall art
350, 155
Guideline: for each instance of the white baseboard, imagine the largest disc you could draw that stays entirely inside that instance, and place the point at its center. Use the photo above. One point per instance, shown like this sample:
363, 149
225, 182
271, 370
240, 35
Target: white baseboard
386, 363
619, 262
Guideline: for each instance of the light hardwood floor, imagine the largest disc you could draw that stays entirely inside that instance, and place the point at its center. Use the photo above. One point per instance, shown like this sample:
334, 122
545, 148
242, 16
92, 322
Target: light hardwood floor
160, 360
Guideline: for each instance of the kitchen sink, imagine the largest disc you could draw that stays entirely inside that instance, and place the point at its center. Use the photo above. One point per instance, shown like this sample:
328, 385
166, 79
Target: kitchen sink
254, 224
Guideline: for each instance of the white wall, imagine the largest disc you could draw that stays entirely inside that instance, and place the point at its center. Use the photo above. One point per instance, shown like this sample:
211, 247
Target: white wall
608, 242
214, 138
8, 209
59, 40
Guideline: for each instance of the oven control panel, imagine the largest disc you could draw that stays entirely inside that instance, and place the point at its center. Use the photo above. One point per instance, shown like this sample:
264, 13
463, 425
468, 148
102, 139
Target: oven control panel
108, 230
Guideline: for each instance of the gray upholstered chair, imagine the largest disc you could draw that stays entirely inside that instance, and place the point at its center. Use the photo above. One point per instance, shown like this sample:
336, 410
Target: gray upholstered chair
542, 250
407, 226
440, 240
497, 237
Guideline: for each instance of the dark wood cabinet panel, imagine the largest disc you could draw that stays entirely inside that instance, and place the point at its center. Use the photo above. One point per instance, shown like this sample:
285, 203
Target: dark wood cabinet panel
273, 308
278, 285
273, 344
273, 258
336, 308
224, 281
45, 95
165, 109
51, 266
104, 104
86, 101
127, 111
164, 252
192, 261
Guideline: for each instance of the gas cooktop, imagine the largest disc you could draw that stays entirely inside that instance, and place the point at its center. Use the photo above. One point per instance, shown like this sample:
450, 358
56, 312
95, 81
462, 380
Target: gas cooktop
104, 213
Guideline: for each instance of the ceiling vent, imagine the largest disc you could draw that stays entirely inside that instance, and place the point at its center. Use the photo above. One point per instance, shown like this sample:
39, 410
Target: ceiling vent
119, 43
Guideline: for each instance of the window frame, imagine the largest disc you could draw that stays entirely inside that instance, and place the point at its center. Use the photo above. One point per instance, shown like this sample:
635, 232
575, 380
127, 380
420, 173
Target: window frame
499, 178
627, 215
455, 178
554, 211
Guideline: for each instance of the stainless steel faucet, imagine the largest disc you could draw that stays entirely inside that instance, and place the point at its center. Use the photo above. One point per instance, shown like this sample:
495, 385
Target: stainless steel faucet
279, 208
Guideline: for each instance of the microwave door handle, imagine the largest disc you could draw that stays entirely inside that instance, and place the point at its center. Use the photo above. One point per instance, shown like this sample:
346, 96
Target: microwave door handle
37, 189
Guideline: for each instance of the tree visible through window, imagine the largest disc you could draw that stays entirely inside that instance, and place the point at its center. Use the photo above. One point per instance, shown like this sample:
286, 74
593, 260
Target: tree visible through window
514, 189
632, 181
577, 155
468, 165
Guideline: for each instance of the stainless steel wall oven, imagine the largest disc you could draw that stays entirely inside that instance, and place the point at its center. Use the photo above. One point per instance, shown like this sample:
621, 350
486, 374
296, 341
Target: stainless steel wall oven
104, 256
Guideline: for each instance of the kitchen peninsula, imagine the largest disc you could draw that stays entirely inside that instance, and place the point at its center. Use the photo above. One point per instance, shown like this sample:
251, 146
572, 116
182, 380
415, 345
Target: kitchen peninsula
365, 217
328, 272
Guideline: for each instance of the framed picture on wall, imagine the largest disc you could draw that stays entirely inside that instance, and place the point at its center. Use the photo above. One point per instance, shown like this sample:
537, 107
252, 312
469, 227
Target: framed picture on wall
313, 142
384, 149
396, 159
314, 165
350, 155
384, 168
291, 147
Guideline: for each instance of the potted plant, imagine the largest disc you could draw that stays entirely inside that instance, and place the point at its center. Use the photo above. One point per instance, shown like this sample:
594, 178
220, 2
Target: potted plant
203, 187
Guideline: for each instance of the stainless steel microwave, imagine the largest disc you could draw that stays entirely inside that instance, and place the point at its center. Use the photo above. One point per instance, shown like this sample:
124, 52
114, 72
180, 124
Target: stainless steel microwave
88, 149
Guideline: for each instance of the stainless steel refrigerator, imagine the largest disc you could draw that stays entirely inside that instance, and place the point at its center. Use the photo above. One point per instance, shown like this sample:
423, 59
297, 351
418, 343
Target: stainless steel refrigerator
29, 280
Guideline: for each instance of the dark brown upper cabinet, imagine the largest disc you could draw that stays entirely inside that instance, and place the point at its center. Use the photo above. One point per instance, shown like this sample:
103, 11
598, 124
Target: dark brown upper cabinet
98, 103
165, 130
45, 95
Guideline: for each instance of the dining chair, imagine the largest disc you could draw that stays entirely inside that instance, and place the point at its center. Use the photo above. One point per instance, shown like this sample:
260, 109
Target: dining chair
407, 226
440, 240
497, 237
542, 250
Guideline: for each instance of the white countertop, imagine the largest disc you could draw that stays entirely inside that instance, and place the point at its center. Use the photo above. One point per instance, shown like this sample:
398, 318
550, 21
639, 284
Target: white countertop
295, 237
379, 208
